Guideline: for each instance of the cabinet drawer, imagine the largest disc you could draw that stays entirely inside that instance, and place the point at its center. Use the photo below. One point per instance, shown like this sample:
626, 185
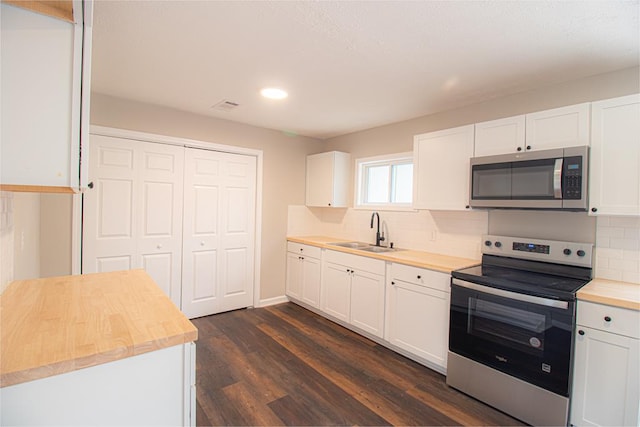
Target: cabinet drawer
421, 277
356, 262
312, 251
620, 321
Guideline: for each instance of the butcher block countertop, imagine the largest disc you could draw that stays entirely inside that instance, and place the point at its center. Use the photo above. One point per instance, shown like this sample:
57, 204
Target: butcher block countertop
61, 324
611, 292
430, 261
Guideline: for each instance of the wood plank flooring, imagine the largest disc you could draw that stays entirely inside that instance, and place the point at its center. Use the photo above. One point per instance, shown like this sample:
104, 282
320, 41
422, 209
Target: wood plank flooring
284, 365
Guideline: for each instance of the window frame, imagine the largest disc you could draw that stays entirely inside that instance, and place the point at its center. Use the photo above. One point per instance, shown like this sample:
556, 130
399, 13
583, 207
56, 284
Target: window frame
360, 186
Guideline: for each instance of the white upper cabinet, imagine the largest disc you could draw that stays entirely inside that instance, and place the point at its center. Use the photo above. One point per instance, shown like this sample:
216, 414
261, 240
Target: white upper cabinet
558, 128
45, 99
544, 130
328, 179
500, 136
614, 175
441, 169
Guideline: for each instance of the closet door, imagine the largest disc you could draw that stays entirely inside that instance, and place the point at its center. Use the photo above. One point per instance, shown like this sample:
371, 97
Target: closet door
219, 232
133, 214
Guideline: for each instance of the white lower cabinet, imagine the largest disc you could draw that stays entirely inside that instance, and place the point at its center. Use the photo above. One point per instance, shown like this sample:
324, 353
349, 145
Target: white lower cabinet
418, 313
303, 273
154, 388
353, 290
606, 375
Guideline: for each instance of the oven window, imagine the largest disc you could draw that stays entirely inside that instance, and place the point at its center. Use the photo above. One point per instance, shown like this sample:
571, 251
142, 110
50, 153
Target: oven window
510, 326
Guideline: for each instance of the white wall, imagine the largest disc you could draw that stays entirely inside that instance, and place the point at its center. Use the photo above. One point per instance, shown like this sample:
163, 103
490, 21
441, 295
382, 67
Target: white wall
26, 236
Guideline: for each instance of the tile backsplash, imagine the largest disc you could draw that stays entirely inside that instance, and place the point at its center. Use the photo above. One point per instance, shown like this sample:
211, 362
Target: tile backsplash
618, 248
449, 233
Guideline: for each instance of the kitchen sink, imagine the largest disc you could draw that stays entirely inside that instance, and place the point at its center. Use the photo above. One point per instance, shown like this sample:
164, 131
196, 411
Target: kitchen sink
377, 249
366, 247
351, 245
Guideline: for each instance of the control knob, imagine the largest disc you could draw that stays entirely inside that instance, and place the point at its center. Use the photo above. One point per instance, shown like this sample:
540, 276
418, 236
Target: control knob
567, 251
498, 245
487, 242
581, 253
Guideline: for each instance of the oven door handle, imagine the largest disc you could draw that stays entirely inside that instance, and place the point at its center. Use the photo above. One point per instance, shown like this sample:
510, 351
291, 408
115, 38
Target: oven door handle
557, 178
511, 295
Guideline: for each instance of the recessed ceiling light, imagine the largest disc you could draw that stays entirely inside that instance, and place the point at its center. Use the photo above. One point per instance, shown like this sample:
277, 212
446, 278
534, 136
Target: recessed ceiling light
273, 93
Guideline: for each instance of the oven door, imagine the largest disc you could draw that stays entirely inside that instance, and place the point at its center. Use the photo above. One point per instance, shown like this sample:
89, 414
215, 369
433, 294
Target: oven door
525, 336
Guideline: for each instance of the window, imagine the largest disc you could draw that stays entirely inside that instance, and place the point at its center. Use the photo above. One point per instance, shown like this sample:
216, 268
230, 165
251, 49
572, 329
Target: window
385, 181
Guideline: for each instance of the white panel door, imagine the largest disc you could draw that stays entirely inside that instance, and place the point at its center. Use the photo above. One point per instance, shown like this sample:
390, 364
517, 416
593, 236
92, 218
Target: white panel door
336, 290
367, 302
133, 215
219, 232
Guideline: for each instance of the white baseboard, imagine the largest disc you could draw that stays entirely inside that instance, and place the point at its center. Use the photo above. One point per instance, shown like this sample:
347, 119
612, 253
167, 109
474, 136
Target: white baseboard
273, 301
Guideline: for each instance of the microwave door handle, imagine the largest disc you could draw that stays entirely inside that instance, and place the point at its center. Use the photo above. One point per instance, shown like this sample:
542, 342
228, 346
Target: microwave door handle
557, 179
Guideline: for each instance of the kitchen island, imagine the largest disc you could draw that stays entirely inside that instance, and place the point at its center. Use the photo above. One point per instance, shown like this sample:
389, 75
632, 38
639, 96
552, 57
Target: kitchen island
105, 348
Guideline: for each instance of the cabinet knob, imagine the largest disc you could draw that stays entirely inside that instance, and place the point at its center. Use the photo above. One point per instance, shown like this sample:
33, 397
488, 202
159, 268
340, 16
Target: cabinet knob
393, 283
607, 319
90, 185
419, 276
594, 209
528, 147
329, 204
466, 207
519, 148
581, 332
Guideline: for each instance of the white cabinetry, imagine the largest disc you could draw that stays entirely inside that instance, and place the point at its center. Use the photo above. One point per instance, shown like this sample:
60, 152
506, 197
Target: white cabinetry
417, 318
353, 290
558, 128
614, 174
500, 136
606, 376
154, 388
303, 273
328, 179
441, 169
45, 99
543, 130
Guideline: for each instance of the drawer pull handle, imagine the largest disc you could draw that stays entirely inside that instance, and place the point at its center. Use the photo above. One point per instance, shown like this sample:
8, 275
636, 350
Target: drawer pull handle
607, 319
581, 332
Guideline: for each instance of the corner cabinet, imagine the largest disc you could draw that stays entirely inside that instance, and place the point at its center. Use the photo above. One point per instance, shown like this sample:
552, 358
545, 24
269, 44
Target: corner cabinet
614, 174
303, 273
328, 176
46, 65
353, 291
606, 373
441, 169
418, 313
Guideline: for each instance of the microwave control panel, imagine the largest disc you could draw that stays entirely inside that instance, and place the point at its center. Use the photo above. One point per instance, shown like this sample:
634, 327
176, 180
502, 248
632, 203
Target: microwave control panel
572, 178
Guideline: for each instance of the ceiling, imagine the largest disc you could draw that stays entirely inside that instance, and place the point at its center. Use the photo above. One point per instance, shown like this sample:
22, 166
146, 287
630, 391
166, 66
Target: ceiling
351, 65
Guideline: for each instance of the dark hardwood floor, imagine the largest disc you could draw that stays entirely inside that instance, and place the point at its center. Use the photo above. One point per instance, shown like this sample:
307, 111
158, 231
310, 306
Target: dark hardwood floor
284, 365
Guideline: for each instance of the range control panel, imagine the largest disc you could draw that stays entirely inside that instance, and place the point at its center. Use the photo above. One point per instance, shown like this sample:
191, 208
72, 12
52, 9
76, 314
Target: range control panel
571, 253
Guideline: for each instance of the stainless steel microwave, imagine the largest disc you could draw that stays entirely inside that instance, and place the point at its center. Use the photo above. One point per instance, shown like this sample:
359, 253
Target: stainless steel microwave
547, 179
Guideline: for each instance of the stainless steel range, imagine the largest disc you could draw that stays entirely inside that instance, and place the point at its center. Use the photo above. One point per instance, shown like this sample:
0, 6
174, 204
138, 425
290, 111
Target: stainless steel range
512, 321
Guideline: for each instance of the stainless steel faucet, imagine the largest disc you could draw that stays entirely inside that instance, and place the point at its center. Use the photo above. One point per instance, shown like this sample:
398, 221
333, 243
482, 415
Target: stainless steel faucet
379, 238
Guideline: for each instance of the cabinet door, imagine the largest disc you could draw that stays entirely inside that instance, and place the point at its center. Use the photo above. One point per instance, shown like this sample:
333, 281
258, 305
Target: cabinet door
311, 271
418, 321
367, 302
336, 290
558, 128
614, 175
327, 180
499, 136
605, 379
42, 74
441, 169
294, 275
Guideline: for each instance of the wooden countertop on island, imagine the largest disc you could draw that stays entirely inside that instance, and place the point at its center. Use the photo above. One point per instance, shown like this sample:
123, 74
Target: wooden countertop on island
55, 325
611, 292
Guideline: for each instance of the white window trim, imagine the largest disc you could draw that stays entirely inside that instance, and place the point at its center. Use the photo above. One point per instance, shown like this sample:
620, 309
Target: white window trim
408, 207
